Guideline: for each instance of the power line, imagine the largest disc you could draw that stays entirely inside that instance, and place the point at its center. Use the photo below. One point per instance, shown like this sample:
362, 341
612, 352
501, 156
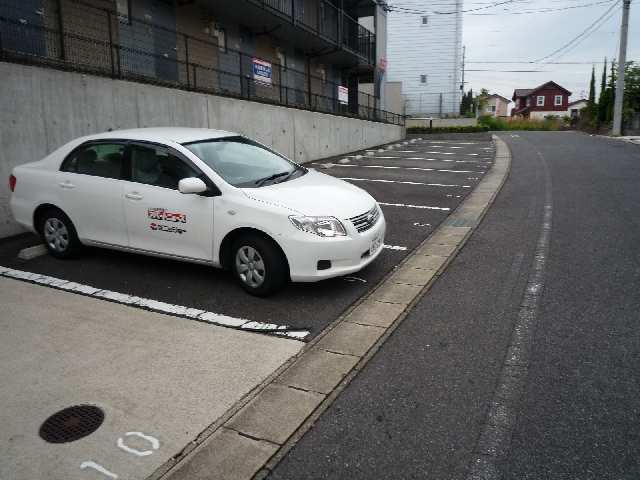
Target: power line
586, 31
510, 71
414, 11
531, 61
391, 8
546, 10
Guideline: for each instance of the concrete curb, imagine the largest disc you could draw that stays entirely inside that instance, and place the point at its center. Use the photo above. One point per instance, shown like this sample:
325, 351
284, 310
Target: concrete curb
253, 438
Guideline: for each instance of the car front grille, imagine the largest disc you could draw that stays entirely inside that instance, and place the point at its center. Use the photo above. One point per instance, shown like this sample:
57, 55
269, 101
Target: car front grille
366, 220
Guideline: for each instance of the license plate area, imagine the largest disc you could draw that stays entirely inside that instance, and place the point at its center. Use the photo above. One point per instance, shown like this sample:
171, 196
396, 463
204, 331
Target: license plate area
375, 245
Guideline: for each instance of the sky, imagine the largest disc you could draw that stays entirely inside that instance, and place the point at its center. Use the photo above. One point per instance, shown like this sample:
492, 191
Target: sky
504, 36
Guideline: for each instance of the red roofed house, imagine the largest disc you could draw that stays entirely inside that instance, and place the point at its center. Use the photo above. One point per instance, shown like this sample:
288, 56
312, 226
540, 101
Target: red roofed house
537, 103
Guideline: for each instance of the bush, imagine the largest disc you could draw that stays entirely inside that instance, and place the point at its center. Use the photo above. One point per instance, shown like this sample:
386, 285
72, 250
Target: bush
465, 129
496, 124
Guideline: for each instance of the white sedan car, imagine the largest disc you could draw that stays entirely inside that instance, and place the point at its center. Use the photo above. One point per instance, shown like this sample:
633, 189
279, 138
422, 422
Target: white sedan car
199, 195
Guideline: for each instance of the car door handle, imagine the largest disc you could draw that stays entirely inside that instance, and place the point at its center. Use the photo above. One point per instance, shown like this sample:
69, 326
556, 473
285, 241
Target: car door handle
134, 196
67, 184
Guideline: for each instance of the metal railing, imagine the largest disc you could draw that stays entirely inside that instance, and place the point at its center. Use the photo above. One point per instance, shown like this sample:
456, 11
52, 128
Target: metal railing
99, 41
324, 20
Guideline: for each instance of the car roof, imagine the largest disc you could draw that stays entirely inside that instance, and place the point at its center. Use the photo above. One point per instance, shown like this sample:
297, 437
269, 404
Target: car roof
163, 134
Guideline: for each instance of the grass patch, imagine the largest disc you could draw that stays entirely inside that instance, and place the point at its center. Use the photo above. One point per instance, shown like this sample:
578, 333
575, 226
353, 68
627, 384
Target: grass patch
497, 124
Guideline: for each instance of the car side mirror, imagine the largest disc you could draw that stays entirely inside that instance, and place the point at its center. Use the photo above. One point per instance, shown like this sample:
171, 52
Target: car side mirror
191, 185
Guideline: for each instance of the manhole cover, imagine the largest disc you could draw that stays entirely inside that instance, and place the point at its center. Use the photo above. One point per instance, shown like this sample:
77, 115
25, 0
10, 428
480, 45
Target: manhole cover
71, 424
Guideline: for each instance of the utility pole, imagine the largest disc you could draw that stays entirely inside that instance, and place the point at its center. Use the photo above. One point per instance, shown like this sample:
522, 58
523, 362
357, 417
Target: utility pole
622, 60
464, 51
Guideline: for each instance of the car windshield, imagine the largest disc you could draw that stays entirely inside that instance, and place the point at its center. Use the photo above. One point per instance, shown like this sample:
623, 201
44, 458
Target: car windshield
244, 163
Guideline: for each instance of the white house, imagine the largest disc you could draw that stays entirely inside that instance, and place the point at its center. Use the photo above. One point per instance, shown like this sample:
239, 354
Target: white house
496, 106
424, 52
575, 107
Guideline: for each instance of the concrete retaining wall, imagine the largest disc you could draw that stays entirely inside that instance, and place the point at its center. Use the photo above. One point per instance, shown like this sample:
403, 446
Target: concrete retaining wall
41, 109
441, 122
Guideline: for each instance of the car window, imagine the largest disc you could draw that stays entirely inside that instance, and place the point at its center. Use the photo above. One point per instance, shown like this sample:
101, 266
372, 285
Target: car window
157, 166
100, 160
243, 163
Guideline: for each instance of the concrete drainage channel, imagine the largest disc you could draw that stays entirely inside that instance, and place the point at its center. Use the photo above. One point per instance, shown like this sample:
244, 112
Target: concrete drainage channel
252, 438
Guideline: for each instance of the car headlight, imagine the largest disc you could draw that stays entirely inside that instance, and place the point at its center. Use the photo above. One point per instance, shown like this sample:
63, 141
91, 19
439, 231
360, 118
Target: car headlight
321, 226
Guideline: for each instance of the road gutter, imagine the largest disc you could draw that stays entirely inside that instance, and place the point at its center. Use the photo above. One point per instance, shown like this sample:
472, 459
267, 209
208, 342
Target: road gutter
254, 436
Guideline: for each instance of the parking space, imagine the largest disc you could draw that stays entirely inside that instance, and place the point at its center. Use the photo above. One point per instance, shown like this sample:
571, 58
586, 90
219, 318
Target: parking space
418, 182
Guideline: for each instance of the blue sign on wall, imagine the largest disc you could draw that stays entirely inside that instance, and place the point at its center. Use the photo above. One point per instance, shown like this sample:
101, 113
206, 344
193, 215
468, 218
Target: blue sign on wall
262, 71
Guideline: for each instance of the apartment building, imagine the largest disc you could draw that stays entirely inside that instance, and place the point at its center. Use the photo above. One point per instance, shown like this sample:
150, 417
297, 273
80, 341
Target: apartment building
424, 53
322, 55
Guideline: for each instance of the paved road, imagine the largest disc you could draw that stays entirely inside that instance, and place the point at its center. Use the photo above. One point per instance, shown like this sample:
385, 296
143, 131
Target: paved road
454, 166
422, 407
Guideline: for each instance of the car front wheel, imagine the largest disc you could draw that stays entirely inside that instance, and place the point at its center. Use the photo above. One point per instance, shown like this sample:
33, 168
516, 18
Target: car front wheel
59, 234
259, 265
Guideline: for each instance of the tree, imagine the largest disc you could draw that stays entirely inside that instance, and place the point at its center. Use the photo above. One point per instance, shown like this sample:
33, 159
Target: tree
480, 101
602, 100
631, 89
611, 92
465, 104
591, 103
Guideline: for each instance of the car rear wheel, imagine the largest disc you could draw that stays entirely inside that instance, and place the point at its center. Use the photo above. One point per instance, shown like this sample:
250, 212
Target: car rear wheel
59, 234
259, 265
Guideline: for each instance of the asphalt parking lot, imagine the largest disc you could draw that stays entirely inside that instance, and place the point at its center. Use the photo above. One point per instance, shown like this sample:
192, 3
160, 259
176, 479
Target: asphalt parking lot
418, 182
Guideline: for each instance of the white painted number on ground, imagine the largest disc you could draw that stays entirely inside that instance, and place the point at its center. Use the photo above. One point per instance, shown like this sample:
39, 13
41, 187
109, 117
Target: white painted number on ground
153, 441
98, 468
418, 224
155, 444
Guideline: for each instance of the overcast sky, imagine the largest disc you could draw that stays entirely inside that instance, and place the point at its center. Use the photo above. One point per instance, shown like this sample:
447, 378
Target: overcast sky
504, 36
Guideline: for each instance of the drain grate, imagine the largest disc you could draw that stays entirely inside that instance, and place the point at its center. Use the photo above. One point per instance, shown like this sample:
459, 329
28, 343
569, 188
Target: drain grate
71, 424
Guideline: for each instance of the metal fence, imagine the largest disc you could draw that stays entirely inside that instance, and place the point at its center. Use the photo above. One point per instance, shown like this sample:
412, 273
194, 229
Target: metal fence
433, 104
325, 20
87, 38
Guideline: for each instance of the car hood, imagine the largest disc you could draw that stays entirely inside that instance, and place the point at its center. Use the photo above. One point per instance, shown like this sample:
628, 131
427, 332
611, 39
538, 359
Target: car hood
315, 194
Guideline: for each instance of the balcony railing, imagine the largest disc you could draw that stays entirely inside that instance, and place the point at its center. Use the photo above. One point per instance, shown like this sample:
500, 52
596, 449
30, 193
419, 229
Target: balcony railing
99, 41
328, 21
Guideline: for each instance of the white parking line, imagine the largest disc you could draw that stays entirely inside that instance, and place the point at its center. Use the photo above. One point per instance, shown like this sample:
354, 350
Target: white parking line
405, 205
442, 153
394, 247
387, 167
403, 182
440, 160
154, 305
450, 142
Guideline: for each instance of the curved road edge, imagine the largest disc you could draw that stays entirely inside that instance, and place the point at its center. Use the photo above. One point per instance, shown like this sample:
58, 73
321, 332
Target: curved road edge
254, 436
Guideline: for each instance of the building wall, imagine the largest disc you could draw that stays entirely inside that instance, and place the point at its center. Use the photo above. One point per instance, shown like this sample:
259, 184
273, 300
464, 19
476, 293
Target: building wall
49, 107
549, 106
434, 50
502, 108
394, 100
541, 114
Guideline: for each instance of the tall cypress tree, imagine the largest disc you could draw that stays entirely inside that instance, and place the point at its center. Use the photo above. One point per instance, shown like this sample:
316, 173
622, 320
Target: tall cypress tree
591, 103
611, 92
602, 100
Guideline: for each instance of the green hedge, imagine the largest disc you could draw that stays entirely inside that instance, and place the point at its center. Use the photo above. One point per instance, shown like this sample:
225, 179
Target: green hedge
466, 129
